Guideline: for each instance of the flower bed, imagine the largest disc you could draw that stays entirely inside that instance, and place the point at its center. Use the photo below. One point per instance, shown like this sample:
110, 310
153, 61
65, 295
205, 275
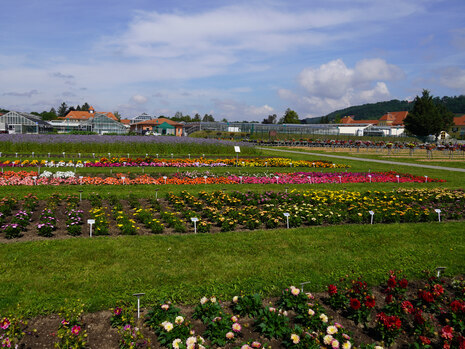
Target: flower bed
220, 211
151, 161
428, 313
69, 178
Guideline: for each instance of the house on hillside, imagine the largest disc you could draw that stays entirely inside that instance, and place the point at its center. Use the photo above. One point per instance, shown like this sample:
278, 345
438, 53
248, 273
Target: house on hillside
349, 119
160, 126
395, 118
458, 129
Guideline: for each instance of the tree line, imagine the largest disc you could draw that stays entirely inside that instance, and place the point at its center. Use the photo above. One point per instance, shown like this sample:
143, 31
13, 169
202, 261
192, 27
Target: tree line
454, 104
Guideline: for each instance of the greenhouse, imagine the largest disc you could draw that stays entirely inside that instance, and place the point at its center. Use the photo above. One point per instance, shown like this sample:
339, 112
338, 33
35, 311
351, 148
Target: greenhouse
19, 122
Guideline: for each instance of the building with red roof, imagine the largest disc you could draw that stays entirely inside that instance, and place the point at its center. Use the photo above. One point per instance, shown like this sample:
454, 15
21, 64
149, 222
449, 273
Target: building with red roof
161, 126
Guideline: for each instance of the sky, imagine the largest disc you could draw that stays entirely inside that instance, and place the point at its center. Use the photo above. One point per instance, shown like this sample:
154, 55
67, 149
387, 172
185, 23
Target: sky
239, 60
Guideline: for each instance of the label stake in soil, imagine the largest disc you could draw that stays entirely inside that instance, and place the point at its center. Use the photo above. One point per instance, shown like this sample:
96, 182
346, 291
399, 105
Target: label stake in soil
439, 270
91, 222
286, 214
438, 211
138, 295
372, 214
302, 285
195, 220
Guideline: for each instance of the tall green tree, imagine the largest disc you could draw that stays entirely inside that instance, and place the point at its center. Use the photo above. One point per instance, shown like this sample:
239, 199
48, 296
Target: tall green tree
85, 107
62, 109
427, 117
117, 115
289, 117
271, 119
208, 118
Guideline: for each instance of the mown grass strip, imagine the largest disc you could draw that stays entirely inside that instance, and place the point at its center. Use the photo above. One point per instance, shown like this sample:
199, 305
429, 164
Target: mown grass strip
99, 271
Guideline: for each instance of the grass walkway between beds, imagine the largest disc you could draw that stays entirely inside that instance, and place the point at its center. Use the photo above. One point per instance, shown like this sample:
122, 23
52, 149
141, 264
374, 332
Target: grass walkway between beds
39, 276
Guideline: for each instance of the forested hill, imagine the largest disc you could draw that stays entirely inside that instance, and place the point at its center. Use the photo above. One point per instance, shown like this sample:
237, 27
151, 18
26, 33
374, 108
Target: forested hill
375, 110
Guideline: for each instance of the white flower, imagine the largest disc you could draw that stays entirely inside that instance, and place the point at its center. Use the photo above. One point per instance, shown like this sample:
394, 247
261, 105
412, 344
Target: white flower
295, 338
213, 299
295, 291
347, 345
331, 330
335, 343
235, 299
204, 300
179, 320
168, 326
324, 318
191, 341
311, 312
327, 339
176, 343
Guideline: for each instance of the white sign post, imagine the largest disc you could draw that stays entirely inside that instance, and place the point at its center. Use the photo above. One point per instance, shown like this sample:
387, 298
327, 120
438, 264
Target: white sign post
195, 220
438, 211
138, 295
237, 150
302, 285
439, 270
80, 180
426, 179
398, 178
277, 179
205, 178
372, 214
340, 179
164, 177
240, 177
369, 176
80, 195
123, 179
286, 214
91, 222
35, 179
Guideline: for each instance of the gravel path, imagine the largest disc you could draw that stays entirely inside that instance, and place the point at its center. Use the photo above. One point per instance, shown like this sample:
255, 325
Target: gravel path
368, 160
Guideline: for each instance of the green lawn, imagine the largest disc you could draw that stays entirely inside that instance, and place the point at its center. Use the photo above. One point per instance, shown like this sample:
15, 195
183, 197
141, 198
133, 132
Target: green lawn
100, 271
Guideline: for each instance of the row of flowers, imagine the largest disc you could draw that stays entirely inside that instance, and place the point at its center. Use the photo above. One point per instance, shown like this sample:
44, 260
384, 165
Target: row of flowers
429, 315
221, 211
70, 178
150, 161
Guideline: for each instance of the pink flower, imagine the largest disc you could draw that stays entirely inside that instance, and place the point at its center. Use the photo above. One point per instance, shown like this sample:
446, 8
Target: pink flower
75, 330
236, 327
5, 323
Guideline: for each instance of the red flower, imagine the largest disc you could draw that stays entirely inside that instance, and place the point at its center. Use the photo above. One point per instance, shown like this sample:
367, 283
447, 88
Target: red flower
392, 282
370, 301
457, 306
438, 290
355, 303
446, 332
425, 340
403, 283
388, 298
418, 317
332, 290
426, 296
407, 307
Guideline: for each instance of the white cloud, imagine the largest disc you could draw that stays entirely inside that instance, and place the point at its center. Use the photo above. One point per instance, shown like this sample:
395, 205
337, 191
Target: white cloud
453, 77
139, 99
237, 111
333, 85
